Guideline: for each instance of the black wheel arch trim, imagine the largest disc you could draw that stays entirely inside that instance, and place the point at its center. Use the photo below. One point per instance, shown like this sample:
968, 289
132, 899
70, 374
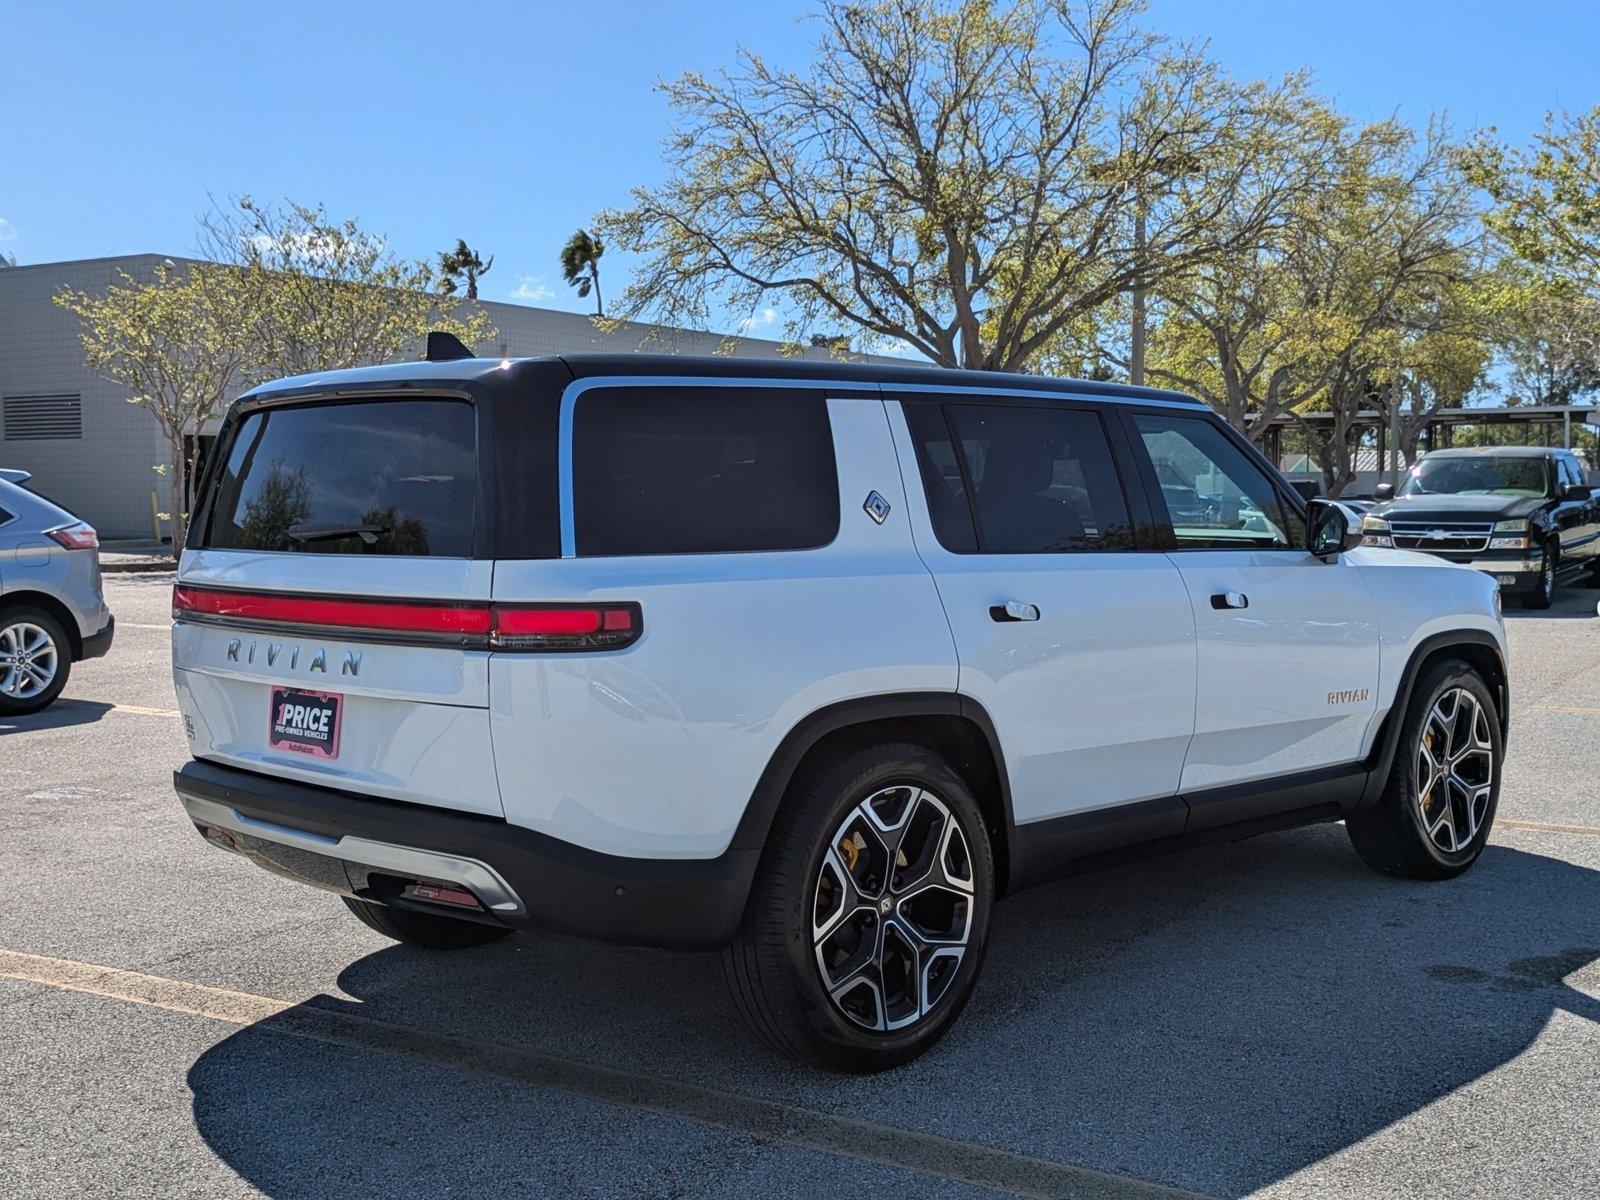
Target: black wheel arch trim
1385, 745
785, 761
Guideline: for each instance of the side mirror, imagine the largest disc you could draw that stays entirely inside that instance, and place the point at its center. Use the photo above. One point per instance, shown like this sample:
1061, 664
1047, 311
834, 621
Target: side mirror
1575, 491
1327, 531
1384, 491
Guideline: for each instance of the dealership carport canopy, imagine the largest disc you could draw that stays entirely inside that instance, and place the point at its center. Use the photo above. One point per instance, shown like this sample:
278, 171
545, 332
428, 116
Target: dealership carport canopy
1544, 423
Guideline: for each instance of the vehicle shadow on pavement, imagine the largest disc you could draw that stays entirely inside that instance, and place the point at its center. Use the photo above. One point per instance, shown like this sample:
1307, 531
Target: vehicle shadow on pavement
1571, 603
63, 714
1215, 1021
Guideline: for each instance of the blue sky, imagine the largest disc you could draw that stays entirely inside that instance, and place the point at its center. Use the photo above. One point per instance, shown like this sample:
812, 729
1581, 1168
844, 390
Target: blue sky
511, 124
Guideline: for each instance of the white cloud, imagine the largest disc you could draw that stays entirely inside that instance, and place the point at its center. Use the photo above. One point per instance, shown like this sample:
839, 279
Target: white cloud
767, 316
531, 287
8, 231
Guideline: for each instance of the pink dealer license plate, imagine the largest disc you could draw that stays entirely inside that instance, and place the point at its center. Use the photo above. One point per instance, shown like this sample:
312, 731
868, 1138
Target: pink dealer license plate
305, 722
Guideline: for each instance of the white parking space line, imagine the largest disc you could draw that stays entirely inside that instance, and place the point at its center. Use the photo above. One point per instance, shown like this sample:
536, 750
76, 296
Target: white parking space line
1547, 827
829, 1133
136, 625
139, 710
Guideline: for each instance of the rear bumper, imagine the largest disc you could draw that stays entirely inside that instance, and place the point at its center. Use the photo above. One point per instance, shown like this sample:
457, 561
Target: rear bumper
363, 846
99, 645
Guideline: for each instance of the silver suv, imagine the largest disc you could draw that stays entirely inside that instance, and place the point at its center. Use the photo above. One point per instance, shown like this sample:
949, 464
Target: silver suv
52, 612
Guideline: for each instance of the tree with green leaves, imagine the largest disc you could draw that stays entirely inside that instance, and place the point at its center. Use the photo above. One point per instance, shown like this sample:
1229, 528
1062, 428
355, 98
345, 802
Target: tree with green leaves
174, 344
324, 293
1547, 198
463, 265
1548, 338
580, 265
1323, 313
958, 176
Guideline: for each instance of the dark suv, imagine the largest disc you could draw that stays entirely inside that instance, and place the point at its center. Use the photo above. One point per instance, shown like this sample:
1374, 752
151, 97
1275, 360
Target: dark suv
1525, 515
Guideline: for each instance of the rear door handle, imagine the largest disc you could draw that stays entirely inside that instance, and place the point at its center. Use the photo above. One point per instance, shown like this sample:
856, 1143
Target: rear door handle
1230, 600
1015, 610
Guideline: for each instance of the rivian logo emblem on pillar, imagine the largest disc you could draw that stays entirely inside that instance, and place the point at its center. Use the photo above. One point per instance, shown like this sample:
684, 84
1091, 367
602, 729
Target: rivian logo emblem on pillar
1355, 697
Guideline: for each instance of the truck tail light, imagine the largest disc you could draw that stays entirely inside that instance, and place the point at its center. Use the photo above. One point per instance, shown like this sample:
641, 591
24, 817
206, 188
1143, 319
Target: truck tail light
75, 537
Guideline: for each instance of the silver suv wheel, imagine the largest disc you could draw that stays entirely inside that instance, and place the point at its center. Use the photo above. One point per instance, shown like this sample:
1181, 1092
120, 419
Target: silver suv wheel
892, 908
29, 659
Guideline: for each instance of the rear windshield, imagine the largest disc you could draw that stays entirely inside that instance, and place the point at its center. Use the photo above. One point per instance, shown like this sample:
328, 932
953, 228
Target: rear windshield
368, 477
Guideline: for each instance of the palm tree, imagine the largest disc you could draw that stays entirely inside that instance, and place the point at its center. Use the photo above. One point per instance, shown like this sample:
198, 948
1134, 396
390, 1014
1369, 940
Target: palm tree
462, 263
580, 265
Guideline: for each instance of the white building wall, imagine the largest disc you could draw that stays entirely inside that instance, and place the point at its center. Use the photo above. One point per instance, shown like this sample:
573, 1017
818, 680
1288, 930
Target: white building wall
106, 477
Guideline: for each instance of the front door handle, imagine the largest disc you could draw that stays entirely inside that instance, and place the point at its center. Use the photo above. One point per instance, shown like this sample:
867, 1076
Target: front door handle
1015, 610
1230, 600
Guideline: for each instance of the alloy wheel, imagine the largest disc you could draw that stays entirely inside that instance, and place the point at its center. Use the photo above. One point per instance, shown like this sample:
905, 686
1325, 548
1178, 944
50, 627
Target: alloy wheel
29, 660
1455, 770
892, 909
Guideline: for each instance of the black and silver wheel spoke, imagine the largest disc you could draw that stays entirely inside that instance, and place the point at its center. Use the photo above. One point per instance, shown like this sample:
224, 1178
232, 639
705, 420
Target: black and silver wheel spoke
892, 908
1455, 770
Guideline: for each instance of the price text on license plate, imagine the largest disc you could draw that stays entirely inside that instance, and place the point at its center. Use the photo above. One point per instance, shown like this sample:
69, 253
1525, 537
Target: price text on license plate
305, 722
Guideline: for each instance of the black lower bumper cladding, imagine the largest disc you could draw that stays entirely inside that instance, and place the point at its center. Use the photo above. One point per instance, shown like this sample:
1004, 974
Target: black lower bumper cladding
684, 903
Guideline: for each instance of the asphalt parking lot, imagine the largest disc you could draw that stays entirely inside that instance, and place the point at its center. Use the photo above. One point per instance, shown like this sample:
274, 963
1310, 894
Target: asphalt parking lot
1268, 1018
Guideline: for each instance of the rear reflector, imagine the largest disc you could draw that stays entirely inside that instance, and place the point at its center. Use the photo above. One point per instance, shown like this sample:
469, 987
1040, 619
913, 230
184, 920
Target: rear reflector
609, 626
441, 893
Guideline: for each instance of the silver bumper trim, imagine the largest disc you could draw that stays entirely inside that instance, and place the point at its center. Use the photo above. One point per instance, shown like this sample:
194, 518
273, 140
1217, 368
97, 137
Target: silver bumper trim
480, 878
1507, 566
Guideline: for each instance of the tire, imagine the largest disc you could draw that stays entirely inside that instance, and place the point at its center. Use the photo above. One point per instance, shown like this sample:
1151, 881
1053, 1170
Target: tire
861, 804
424, 930
1544, 594
1437, 831
23, 626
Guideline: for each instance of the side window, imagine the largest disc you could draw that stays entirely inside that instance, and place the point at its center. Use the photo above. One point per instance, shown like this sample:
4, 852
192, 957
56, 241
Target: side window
1041, 480
942, 480
1217, 498
680, 470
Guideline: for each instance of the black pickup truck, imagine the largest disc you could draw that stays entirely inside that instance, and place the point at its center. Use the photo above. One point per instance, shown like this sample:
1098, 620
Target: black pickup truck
1524, 515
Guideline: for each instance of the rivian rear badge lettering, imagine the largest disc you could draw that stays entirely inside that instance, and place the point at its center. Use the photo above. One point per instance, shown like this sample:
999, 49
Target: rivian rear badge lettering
1356, 697
351, 664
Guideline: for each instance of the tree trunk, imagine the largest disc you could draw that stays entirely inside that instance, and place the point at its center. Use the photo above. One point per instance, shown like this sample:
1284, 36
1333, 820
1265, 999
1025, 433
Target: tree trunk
594, 273
178, 514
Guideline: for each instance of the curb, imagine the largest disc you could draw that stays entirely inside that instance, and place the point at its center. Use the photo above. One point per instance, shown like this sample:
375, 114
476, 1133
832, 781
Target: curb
132, 568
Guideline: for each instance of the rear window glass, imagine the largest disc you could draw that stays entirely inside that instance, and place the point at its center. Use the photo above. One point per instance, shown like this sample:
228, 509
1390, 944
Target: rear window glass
669, 470
391, 477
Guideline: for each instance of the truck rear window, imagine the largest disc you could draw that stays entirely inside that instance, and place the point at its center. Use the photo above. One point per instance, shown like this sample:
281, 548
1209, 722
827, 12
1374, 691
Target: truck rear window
394, 477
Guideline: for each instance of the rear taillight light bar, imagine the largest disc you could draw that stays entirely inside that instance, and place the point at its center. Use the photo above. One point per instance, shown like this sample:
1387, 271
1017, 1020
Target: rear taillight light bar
607, 626
565, 626
75, 537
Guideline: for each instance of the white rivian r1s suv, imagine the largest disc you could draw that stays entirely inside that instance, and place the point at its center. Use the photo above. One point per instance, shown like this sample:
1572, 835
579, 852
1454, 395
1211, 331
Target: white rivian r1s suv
808, 663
